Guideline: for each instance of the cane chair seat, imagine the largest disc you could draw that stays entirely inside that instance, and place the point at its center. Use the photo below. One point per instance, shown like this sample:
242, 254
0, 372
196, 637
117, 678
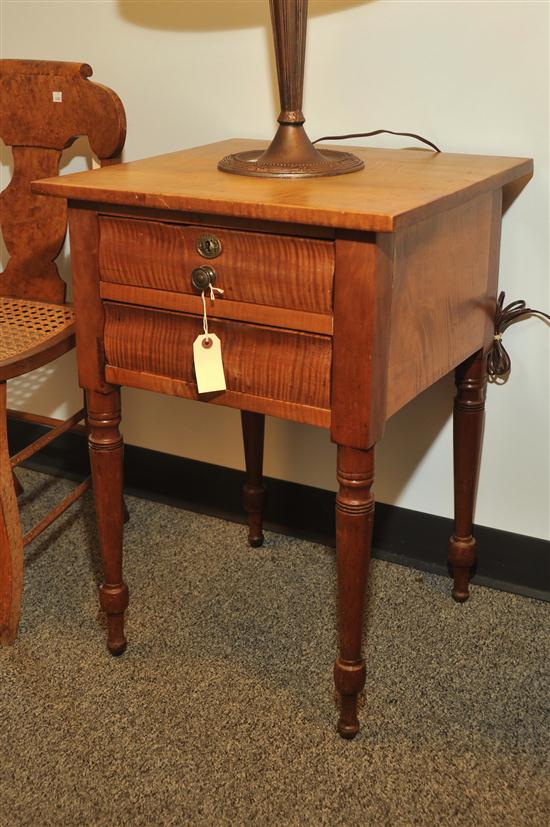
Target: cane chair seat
29, 331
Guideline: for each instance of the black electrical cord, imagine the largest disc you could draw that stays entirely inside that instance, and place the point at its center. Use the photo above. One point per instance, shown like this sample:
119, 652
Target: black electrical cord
498, 360
376, 132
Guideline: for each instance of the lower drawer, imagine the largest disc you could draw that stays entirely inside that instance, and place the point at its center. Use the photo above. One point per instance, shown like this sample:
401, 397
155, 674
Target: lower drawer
276, 369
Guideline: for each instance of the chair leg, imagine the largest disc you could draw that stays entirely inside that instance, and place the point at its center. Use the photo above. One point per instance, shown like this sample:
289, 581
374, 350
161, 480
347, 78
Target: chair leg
11, 541
17, 485
253, 426
468, 420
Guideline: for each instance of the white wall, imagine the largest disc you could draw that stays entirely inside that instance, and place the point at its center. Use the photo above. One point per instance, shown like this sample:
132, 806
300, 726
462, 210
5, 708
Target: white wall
473, 76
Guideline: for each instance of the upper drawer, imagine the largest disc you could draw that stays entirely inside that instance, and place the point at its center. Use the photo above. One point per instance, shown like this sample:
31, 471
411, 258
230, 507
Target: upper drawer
260, 268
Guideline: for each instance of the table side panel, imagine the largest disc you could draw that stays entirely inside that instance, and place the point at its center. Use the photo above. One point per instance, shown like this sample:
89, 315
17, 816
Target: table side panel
443, 295
497, 212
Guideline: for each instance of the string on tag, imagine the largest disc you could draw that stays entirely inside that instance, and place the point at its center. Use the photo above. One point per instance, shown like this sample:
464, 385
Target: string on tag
207, 351
213, 291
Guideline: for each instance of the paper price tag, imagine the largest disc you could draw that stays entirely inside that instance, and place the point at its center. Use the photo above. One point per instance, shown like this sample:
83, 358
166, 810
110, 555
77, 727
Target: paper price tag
207, 355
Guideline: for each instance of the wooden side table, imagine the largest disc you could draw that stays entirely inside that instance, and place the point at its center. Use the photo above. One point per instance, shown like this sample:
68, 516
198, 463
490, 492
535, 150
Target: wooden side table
343, 299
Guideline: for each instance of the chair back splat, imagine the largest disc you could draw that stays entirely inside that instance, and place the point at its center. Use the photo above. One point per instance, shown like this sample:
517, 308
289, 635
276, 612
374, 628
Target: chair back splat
44, 107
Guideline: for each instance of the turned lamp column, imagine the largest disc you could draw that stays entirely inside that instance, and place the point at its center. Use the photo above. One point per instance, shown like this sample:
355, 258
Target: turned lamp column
291, 143
290, 154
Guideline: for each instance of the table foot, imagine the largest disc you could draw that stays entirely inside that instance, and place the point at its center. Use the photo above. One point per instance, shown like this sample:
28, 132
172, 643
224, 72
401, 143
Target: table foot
462, 556
348, 722
256, 540
349, 680
114, 601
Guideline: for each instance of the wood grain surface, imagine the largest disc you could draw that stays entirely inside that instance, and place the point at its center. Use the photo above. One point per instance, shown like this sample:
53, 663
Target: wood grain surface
397, 188
89, 313
257, 268
443, 292
362, 320
44, 107
297, 412
220, 309
275, 364
415, 260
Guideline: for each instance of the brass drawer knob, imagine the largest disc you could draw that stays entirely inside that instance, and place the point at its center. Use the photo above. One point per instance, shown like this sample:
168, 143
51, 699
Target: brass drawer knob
209, 246
203, 277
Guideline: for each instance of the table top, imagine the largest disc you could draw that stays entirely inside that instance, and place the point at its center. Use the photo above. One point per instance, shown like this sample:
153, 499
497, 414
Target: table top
397, 187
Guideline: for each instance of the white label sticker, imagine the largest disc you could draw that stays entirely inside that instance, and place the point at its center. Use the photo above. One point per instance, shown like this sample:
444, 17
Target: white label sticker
207, 355
57, 97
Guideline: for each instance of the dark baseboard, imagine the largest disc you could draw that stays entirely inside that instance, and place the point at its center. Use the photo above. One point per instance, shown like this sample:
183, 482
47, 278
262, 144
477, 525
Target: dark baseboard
507, 561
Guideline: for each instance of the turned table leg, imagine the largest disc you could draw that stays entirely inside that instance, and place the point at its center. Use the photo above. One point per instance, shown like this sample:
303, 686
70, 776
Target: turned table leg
253, 426
354, 524
106, 460
468, 418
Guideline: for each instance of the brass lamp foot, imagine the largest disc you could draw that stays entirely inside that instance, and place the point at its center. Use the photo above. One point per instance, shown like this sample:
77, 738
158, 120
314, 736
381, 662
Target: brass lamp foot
291, 155
331, 163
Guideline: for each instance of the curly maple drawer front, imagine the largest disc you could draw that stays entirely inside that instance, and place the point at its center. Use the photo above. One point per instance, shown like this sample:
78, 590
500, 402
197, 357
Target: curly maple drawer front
258, 268
283, 368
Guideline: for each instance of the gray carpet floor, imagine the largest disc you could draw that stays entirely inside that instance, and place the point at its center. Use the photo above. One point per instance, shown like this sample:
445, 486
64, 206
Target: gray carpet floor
222, 710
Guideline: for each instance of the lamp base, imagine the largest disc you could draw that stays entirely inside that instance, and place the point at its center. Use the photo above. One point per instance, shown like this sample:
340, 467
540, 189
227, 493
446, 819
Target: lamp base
249, 163
291, 155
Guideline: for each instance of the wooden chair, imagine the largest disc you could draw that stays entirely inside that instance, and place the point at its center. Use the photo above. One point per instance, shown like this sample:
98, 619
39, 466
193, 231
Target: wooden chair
44, 107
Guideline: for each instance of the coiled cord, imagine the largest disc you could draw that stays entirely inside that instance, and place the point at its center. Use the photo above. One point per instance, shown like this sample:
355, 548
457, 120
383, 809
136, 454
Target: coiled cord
499, 364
